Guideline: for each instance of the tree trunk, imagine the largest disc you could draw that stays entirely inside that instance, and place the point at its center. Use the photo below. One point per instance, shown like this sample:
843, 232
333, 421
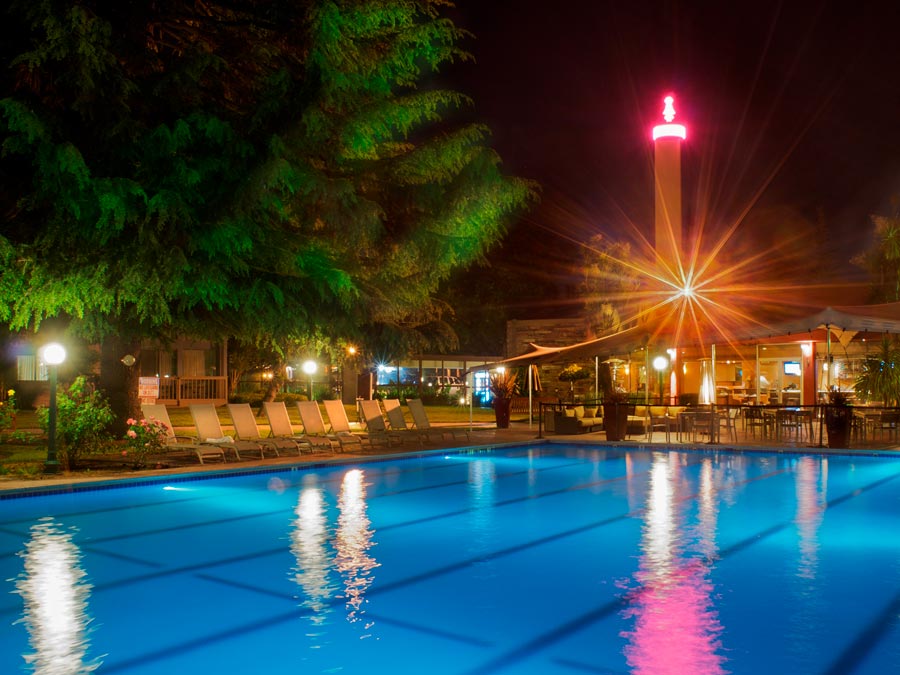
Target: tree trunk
120, 382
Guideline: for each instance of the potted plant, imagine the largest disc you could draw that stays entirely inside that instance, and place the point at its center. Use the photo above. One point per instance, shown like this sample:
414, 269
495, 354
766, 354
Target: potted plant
838, 417
573, 373
615, 406
503, 388
879, 378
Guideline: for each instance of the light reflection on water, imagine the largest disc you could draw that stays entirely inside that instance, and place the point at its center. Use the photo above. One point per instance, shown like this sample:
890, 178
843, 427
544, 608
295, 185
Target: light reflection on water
325, 553
353, 541
309, 544
806, 608
675, 627
55, 593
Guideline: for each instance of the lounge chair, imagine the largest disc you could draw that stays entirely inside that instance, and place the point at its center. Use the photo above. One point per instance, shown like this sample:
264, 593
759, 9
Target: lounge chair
180, 443
375, 425
209, 431
340, 425
314, 425
398, 422
246, 429
281, 427
420, 419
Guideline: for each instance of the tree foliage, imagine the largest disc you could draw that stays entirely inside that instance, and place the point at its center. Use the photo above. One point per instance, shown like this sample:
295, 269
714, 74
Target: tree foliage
879, 377
261, 170
608, 285
882, 259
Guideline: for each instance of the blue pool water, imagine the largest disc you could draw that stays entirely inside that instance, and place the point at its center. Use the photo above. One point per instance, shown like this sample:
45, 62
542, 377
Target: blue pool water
543, 559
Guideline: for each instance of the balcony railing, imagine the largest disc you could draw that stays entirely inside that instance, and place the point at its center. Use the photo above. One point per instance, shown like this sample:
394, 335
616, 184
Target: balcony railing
185, 390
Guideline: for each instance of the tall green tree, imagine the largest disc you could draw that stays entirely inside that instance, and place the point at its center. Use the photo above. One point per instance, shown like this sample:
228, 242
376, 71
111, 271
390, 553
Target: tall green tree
882, 259
266, 170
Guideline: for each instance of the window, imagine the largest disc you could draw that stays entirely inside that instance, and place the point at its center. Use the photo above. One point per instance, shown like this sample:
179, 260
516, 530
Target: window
30, 369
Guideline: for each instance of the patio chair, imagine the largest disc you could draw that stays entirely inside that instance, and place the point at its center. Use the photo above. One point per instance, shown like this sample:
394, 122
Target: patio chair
209, 431
728, 422
398, 422
756, 420
340, 425
886, 425
314, 425
660, 420
281, 427
375, 425
246, 429
179, 443
420, 419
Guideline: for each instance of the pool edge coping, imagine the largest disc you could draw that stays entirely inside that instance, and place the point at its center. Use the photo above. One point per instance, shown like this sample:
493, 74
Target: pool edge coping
106, 483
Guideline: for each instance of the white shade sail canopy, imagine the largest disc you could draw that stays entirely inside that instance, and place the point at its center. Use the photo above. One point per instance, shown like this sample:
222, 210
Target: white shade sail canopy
842, 322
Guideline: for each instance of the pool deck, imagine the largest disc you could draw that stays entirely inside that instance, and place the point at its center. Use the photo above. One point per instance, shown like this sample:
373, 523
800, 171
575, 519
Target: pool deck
481, 436
484, 436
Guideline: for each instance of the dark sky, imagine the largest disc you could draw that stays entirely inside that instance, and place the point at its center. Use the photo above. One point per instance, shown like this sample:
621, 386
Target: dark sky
793, 104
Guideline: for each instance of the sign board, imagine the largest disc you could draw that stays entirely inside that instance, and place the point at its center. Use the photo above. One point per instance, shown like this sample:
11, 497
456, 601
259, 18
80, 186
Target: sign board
148, 389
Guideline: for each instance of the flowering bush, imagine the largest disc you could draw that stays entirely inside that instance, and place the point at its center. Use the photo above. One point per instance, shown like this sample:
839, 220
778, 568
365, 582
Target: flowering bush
8, 411
82, 419
145, 437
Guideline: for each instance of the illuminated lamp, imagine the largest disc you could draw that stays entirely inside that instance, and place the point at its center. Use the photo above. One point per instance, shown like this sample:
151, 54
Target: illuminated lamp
52, 355
669, 130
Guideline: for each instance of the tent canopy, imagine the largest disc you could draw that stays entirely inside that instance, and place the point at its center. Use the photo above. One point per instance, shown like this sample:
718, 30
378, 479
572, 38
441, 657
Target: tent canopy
843, 322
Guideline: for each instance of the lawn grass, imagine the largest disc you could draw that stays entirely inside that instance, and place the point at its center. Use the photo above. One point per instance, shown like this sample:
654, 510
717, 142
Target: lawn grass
25, 459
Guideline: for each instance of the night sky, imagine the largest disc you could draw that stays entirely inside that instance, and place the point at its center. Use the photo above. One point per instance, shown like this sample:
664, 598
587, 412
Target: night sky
789, 106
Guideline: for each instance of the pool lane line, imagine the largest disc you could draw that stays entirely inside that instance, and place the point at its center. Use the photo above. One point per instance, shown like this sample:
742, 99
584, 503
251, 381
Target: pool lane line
262, 487
440, 571
217, 522
855, 653
213, 523
374, 590
866, 640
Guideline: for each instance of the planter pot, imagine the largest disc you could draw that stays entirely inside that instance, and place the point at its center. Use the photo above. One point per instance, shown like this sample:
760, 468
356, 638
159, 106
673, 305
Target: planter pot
501, 412
837, 425
615, 421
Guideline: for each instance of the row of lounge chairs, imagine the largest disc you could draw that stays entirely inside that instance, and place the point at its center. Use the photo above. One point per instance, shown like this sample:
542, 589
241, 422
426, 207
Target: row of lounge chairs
211, 443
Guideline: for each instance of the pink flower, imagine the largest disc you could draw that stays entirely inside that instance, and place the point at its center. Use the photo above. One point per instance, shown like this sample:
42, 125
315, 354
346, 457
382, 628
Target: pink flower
131, 433
124, 453
130, 421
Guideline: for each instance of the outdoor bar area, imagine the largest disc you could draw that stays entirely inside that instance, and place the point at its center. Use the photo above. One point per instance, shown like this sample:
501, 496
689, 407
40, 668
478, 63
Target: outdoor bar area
773, 384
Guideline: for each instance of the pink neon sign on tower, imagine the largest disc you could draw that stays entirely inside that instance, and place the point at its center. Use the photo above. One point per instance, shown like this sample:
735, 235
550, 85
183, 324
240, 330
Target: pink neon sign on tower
669, 130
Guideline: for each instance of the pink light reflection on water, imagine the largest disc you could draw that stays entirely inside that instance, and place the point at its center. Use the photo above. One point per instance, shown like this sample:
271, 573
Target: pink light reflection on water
676, 628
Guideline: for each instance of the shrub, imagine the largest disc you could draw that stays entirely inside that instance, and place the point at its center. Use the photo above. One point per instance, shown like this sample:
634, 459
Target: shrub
8, 412
144, 437
83, 415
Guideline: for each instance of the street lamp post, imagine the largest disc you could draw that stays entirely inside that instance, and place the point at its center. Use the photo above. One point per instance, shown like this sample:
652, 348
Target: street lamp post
309, 367
53, 354
660, 363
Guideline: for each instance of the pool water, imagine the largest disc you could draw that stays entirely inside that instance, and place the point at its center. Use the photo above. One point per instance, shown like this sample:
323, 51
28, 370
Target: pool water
535, 559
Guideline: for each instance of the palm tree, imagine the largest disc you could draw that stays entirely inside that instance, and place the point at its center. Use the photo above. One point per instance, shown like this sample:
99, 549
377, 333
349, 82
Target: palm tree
879, 379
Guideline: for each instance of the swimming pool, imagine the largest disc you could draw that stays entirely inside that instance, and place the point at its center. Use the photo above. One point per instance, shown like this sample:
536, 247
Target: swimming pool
541, 559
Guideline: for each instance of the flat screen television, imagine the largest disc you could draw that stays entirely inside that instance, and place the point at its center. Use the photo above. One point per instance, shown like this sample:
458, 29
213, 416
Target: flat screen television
792, 368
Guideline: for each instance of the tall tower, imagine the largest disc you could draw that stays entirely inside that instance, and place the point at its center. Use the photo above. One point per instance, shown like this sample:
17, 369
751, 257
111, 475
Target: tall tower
667, 140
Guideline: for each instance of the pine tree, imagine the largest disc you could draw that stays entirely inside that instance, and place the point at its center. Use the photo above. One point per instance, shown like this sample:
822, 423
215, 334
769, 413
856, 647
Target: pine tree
262, 171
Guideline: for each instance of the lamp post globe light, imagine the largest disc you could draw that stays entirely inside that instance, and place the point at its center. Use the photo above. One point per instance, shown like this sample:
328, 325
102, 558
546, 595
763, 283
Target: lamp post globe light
52, 355
310, 367
660, 363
